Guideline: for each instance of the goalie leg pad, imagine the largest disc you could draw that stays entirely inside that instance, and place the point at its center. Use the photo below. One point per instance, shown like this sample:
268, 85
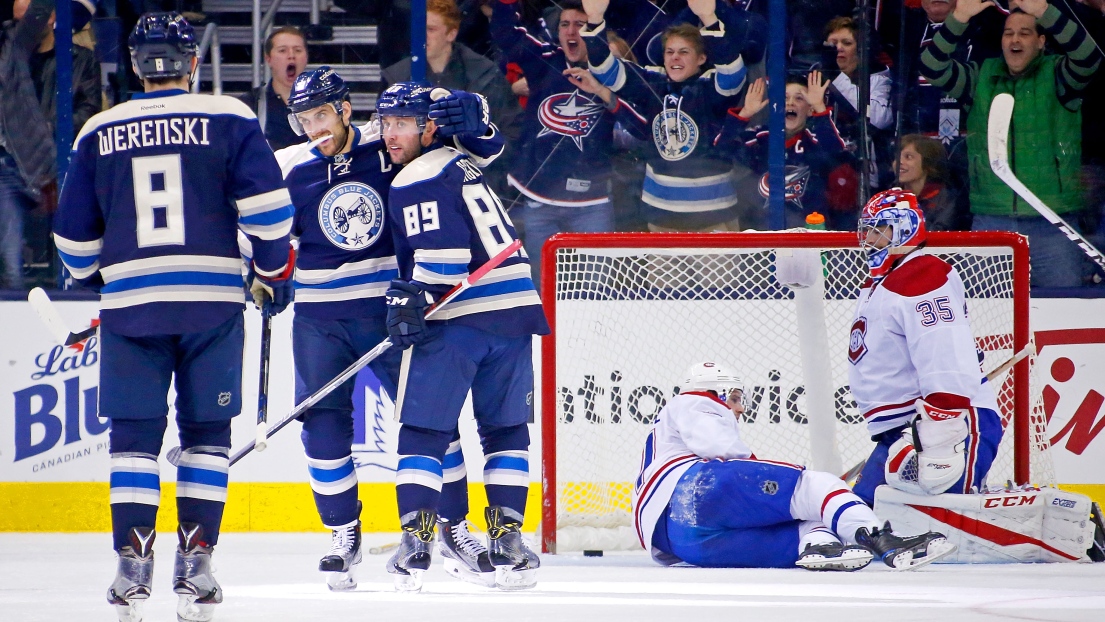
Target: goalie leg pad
1034, 525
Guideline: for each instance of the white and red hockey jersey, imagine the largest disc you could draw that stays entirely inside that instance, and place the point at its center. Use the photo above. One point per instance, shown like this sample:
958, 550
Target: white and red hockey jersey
910, 339
692, 426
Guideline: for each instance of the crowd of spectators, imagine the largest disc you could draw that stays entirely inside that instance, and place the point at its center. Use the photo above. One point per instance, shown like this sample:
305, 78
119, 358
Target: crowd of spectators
652, 116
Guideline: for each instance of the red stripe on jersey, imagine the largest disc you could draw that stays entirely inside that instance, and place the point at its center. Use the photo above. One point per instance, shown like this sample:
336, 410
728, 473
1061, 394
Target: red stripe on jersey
985, 531
948, 401
918, 277
875, 411
707, 394
829, 497
646, 490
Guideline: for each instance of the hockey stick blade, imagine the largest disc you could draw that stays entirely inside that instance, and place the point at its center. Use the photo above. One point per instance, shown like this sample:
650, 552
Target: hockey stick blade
851, 474
298, 156
997, 137
49, 315
369, 356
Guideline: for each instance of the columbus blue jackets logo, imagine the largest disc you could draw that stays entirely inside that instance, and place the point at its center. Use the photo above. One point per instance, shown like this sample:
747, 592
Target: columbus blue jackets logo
856, 347
352, 216
797, 180
675, 134
569, 114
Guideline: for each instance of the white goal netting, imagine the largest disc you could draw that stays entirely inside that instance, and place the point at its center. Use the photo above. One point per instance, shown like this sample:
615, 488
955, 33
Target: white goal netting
628, 321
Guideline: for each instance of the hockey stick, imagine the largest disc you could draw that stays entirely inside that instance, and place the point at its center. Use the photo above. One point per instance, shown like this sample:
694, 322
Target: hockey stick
851, 474
174, 454
1001, 115
263, 385
49, 315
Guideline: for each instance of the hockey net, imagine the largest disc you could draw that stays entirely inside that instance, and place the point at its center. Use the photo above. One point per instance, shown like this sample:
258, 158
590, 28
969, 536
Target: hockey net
631, 312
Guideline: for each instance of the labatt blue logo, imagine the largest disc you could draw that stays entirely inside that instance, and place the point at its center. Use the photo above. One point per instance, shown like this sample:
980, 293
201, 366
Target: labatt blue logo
50, 412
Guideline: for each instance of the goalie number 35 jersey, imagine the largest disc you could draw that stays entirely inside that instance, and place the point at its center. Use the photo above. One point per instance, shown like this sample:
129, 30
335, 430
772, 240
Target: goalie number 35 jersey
911, 338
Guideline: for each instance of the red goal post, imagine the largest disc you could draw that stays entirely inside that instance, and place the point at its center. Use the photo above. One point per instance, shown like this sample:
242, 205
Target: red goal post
635, 309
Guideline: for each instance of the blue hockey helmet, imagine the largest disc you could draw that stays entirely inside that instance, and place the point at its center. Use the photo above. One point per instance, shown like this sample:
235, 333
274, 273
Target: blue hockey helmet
162, 45
317, 87
406, 99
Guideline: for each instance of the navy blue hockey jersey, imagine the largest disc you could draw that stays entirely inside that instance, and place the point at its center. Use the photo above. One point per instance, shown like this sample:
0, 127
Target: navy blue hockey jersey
156, 192
346, 254
447, 223
567, 146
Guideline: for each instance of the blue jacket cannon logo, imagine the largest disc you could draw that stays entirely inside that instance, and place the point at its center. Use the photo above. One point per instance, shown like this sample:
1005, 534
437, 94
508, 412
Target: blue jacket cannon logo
352, 216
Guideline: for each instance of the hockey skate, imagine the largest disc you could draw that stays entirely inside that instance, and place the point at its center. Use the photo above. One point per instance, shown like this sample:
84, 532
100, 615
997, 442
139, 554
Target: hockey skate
341, 560
834, 556
414, 554
515, 563
131, 587
904, 553
197, 589
464, 554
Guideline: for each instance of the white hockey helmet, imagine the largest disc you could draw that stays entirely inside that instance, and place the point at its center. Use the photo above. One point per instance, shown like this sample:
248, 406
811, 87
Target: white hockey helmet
711, 376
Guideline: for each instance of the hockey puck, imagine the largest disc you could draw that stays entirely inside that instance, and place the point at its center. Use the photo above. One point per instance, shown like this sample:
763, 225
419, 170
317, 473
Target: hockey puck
592, 553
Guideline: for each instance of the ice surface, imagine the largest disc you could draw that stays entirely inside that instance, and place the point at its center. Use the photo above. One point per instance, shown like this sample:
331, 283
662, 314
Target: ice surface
63, 577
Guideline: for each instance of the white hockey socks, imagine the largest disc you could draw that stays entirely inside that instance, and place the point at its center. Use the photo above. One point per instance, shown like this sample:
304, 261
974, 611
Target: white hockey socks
823, 497
940, 437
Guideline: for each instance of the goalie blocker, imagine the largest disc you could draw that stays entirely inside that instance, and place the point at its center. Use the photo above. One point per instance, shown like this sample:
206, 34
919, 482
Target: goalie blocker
1032, 525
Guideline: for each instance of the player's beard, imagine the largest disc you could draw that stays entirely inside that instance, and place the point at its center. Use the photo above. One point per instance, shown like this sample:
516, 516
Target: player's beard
336, 144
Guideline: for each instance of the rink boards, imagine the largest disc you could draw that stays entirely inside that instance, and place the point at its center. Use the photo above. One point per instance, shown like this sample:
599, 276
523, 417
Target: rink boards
54, 458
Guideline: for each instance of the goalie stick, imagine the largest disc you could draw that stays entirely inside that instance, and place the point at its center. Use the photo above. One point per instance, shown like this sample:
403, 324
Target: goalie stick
49, 315
1001, 115
851, 474
173, 456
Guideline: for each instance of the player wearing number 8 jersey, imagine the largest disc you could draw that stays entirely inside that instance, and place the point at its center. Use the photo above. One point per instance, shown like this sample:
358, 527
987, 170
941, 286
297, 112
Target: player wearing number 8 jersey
156, 193
446, 223
914, 369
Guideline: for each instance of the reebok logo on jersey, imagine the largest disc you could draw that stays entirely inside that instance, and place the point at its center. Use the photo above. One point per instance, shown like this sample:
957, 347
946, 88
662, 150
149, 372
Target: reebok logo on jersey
856, 348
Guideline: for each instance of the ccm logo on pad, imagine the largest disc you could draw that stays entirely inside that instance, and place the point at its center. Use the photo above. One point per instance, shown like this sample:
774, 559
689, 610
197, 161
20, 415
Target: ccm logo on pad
1008, 502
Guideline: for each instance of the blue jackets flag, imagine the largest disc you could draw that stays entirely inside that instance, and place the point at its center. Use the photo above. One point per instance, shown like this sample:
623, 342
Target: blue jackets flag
150, 203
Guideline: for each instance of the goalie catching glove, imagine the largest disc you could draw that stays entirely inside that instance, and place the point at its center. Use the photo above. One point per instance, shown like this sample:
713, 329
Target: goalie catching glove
406, 319
278, 288
460, 113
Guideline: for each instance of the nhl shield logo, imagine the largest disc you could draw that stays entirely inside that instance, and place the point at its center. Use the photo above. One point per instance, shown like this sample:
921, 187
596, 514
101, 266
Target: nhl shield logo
352, 216
856, 347
674, 133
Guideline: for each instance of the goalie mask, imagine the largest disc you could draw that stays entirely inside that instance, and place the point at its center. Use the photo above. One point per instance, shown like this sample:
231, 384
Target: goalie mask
891, 224
710, 376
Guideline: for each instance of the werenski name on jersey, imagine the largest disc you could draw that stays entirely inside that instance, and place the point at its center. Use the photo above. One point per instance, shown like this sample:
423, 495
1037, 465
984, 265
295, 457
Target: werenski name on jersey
154, 133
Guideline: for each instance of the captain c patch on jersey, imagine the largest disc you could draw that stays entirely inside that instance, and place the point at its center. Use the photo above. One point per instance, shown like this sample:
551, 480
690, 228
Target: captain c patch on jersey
856, 347
351, 215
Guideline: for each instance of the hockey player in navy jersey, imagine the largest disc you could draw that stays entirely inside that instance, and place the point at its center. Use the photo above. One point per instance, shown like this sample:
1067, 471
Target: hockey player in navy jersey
914, 367
703, 498
346, 260
689, 184
446, 223
156, 192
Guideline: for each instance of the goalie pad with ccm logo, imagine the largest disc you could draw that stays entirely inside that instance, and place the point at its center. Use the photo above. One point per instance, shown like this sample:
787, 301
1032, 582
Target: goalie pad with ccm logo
1034, 525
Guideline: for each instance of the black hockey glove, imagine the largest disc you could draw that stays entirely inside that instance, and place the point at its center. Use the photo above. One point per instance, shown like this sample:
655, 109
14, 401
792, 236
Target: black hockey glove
279, 289
461, 114
406, 321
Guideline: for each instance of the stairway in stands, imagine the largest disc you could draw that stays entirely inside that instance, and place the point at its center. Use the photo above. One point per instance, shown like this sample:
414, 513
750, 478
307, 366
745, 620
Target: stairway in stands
352, 50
